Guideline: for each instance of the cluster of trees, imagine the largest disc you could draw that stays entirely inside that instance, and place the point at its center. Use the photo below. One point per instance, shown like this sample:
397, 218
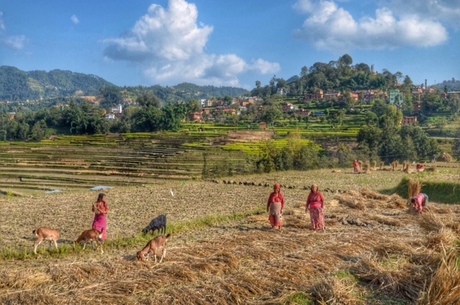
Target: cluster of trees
384, 139
79, 117
338, 75
297, 154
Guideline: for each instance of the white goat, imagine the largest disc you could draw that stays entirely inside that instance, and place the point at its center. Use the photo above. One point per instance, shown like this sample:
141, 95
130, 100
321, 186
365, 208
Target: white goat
91, 236
46, 234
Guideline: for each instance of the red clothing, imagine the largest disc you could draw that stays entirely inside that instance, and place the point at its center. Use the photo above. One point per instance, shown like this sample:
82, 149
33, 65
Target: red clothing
275, 205
100, 207
315, 200
315, 204
420, 202
356, 167
100, 210
276, 197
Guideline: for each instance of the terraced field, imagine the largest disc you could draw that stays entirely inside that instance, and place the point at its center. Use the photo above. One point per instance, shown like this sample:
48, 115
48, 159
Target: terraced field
84, 162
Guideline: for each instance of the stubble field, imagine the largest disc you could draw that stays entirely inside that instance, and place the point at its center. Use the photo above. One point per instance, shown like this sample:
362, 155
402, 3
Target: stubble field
373, 252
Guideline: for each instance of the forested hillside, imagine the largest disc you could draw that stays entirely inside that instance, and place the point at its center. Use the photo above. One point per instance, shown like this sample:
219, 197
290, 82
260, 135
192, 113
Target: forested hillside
18, 85
185, 92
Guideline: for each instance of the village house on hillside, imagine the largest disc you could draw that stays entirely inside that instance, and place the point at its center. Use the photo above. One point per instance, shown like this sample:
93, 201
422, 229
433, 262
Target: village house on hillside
409, 120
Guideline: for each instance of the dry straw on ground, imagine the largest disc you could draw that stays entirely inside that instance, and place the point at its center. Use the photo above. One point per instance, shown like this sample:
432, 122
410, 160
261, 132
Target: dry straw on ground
373, 251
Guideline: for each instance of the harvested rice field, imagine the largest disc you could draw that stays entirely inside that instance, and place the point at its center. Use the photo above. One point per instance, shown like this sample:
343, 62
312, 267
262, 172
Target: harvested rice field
222, 249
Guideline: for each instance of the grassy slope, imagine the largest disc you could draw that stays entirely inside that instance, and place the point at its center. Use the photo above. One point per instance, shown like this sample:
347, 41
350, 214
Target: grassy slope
227, 260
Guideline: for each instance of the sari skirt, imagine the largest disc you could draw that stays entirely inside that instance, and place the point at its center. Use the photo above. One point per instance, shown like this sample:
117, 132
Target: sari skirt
100, 224
275, 214
317, 218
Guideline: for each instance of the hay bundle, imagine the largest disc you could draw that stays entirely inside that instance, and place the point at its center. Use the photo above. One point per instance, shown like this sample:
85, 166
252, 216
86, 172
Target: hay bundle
405, 281
389, 221
444, 284
397, 202
414, 188
354, 193
431, 222
382, 165
367, 193
335, 291
367, 167
375, 165
446, 157
350, 201
406, 167
445, 237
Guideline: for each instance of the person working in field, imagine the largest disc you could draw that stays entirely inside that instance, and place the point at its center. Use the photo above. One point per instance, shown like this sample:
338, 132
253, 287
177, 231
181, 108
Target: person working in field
419, 202
356, 169
315, 205
100, 209
275, 206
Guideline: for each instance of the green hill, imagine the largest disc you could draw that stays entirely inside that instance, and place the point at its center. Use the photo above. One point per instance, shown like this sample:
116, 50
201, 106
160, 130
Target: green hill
18, 85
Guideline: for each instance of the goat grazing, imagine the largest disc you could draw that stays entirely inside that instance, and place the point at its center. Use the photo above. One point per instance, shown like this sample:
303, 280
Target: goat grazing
46, 234
91, 236
158, 223
153, 246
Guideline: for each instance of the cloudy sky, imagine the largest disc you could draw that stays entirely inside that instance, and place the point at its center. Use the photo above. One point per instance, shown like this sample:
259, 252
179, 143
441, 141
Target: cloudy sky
229, 42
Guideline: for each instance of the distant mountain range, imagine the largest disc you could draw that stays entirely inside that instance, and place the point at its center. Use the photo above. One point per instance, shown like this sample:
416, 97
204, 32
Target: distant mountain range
18, 85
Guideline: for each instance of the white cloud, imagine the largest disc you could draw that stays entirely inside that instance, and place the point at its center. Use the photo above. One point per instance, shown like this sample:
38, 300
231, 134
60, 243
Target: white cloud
13, 42
74, 19
169, 46
264, 67
2, 24
445, 11
304, 6
330, 27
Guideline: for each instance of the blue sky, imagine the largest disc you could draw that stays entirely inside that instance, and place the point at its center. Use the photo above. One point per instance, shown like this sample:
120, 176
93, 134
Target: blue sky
229, 43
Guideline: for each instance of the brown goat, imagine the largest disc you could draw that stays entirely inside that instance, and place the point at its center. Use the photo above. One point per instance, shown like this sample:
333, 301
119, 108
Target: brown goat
46, 234
156, 244
91, 236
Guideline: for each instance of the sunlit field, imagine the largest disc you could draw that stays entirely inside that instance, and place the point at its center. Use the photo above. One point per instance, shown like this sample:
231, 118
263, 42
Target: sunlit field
223, 251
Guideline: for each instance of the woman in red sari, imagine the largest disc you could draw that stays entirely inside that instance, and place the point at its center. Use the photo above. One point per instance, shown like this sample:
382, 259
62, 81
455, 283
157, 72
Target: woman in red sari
100, 209
315, 204
275, 206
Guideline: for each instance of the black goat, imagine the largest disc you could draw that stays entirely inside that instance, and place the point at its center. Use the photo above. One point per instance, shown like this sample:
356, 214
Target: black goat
158, 223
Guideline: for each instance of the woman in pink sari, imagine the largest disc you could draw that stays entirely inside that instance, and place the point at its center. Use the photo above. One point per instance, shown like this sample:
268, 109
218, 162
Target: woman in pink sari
100, 209
315, 204
275, 206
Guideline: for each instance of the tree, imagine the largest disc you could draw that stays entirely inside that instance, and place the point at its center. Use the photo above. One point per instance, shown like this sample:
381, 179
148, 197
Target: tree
149, 99
369, 138
408, 81
194, 106
111, 95
346, 60
38, 131
415, 138
304, 72
270, 114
